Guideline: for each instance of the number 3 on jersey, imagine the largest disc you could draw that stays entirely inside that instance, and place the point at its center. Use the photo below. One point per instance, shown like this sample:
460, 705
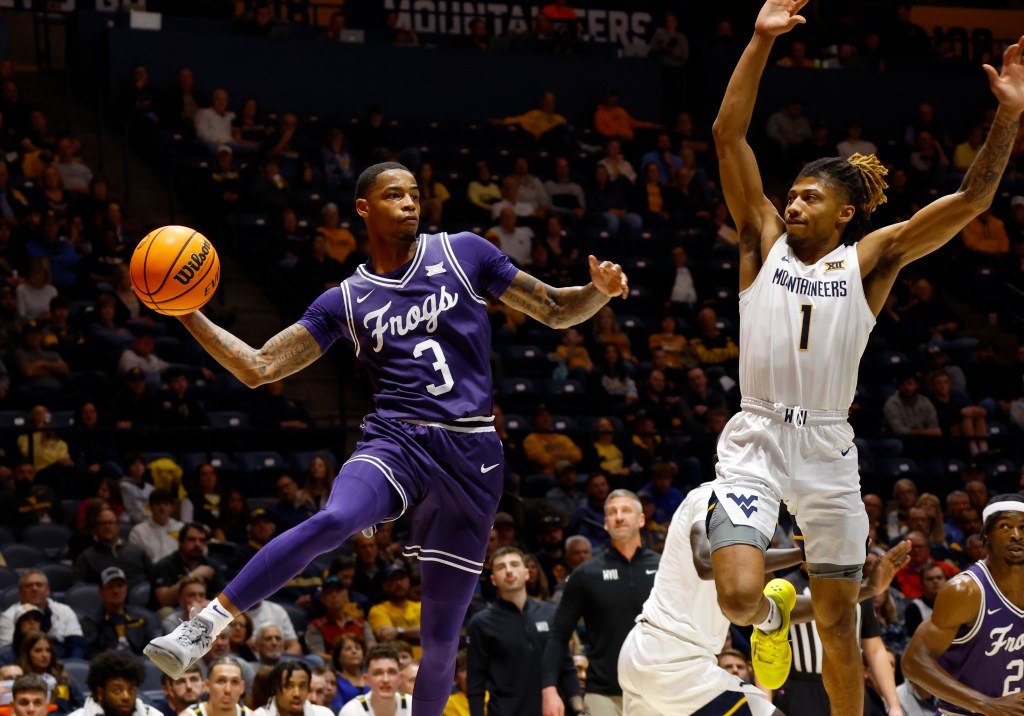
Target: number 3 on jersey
805, 325
440, 365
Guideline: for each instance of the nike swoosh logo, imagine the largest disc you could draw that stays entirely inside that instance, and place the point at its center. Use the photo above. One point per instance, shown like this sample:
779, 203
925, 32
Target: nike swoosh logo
220, 610
843, 453
360, 299
487, 469
993, 611
651, 571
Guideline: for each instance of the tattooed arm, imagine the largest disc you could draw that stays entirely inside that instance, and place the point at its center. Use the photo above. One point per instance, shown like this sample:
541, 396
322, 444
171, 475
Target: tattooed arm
884, 252
564, 307
288, 352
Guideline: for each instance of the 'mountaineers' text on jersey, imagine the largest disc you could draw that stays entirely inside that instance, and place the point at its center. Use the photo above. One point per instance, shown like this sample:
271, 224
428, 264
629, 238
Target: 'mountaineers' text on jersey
988, 655
803, 329
702, 621
422, 332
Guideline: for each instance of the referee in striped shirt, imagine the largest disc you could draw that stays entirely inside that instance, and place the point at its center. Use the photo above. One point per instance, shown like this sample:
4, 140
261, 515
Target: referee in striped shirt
804, 690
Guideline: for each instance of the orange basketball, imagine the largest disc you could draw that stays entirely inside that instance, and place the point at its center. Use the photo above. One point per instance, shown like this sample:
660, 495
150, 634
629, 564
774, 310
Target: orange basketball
175, 270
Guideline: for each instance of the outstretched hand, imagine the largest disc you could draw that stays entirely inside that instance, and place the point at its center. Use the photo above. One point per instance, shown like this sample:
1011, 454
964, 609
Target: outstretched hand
1008, 84
778, 17
886, 568
608, 278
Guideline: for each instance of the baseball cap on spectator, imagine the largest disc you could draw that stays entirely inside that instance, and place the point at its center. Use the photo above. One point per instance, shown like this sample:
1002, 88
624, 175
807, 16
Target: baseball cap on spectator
224, 149
504, 518
396, 569
1017, 201
23, 610
260, 514
332, 583
110, 574
563, 465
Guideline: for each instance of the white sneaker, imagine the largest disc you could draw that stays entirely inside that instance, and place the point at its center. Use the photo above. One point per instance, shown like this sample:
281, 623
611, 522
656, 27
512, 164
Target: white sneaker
183, 647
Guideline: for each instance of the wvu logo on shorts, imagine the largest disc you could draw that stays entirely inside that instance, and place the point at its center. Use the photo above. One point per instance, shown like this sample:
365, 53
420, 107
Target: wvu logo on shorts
835, 265
744, 503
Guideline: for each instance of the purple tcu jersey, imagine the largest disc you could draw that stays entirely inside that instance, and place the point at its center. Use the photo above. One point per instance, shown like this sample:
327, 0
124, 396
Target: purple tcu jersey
988, 656
422, 332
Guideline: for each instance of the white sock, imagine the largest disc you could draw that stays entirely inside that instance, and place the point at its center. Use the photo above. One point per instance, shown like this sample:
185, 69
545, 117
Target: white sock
217, 614
774, 620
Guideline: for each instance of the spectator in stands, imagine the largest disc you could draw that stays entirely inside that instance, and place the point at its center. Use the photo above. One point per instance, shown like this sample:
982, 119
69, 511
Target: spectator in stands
213, 124
63, 624
181, 103
572, 356
75, 174
28, 695
382, 674
607, 331
977, 550
35, 293
115, 625
530, 189
562, 250
188, 561
616, 163
370, 568
140, 355
289, 510
683, 295
797, 57
924, 122
510, 197
433, 194
38, 656
908, 412
483, 192
225, 181
28, 620
967, 150
662, 156
274, 410
928, 162
206, 498
665, 496
28, 503
267, 612
49, 454
341, 617
337, 163
589, 518
613, 121
788, 129
39, 369
107, 550
268, 643
135, 403
564, 498
614, 376
177, 408
285, 142
544, 448
904, 496
567, 198
957, 417
906, 39
182, 692
663, 403
38, 144
14, 206
986, 234
347, 657
515, 241
933, 576
114, 680
234, 518
51, 244
711, 345
543, 123
608, 202
656, 203
191, 594
260, 531
673, 344
318, 270
854, 143
398, 617
158, 533
269, 192
702, 397
136, 485
63, 335
909, 579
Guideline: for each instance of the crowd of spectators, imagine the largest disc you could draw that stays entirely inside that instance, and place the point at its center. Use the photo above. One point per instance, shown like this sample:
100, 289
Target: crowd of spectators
635, 399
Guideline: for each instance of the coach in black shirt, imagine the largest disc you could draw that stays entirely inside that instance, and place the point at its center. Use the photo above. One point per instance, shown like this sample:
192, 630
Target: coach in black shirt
608, 592
506, 643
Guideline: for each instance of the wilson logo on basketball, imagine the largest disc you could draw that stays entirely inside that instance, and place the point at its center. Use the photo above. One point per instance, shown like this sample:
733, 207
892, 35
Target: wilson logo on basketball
188, 271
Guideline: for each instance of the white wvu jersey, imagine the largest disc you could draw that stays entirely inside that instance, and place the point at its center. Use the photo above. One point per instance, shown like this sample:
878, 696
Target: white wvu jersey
803, 329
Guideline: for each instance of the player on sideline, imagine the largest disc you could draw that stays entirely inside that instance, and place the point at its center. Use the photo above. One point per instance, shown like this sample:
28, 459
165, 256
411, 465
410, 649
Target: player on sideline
968, 653
811, 283
417, 318
668, 665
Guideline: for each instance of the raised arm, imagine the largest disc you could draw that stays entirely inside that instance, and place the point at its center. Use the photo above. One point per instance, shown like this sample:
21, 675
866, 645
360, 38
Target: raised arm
564, 307
757, 222
885, 251
288, 352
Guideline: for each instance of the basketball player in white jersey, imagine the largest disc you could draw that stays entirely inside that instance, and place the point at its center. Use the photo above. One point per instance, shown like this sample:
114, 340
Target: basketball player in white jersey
668, 665
811, 283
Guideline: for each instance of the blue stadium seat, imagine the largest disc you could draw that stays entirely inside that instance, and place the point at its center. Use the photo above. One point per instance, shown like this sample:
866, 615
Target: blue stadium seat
8, 577
564, 424
13, 418
84, 598
896, 467
78, 670
153, 676
538, 485
299, 460
190, 461
8, 596
59, 576
529, 361
154, 455
23, 556
228, 419
139, 594
259, 461
6, 535
516, 423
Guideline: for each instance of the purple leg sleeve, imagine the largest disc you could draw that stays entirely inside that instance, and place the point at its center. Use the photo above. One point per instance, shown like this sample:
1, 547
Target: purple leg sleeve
446, 596
360, 497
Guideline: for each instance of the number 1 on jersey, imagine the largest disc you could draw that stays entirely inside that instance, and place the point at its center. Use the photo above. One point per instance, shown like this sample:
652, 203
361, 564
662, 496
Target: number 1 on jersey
805, 326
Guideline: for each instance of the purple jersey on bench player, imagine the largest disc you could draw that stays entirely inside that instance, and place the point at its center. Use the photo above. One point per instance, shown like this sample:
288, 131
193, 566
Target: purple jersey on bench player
422, 332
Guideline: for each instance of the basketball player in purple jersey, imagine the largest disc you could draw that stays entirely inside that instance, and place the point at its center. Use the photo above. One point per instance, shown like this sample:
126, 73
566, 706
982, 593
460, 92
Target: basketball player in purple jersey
416, 317
812, 281
970, 652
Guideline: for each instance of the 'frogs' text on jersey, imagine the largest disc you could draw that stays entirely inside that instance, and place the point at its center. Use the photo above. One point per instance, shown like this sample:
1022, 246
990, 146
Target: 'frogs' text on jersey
803, 329
422, 332
988, 655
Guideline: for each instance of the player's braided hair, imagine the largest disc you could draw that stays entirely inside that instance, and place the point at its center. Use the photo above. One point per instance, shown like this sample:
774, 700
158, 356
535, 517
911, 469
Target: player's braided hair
860, 180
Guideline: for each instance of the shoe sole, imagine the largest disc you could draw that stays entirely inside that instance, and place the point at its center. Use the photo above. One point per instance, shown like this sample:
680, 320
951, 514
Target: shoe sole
168, 662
